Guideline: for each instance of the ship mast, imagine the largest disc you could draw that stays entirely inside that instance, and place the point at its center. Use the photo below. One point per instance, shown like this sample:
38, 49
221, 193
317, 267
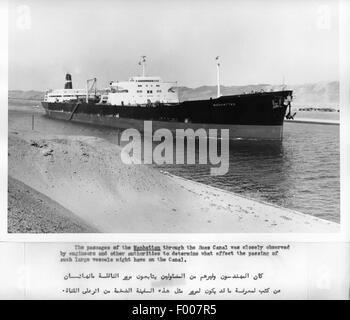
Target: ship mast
218, 74
143, 63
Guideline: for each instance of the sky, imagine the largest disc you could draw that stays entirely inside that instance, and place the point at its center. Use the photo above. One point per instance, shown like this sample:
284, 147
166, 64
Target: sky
257, 41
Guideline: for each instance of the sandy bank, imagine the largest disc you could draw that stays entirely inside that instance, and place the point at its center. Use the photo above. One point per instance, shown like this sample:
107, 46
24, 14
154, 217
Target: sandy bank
29, 211
86, 176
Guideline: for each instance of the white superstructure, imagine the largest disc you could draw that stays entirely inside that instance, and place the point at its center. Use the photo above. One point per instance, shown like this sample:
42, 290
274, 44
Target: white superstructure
136, 91
63, 95
141, 91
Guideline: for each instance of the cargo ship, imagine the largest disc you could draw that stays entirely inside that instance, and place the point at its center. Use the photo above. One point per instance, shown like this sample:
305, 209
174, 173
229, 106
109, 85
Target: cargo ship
127, 104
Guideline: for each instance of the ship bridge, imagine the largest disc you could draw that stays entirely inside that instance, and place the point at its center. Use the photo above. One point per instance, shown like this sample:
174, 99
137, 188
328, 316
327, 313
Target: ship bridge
142, 90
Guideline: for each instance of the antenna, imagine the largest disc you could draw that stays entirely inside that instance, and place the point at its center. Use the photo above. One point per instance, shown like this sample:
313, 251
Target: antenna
218, 74
143, 63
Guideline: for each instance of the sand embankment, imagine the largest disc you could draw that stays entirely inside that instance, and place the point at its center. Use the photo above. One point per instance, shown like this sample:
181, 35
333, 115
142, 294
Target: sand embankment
30, 211
86, 176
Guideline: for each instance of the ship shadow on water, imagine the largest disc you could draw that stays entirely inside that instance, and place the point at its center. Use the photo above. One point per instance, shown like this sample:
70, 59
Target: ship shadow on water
259, 169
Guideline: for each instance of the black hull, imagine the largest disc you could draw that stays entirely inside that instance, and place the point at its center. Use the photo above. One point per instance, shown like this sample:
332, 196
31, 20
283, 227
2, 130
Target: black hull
249, 116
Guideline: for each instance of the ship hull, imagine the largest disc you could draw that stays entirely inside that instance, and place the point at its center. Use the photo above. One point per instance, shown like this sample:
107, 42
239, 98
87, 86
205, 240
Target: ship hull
254, 132
254, 116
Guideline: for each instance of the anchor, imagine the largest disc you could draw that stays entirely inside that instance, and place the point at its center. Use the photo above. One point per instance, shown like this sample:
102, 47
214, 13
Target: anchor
289, 115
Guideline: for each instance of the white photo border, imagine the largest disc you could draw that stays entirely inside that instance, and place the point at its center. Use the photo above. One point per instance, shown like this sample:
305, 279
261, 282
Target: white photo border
342, 236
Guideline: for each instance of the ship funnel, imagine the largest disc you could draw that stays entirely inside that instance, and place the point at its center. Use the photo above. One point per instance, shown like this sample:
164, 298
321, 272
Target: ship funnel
68, 84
